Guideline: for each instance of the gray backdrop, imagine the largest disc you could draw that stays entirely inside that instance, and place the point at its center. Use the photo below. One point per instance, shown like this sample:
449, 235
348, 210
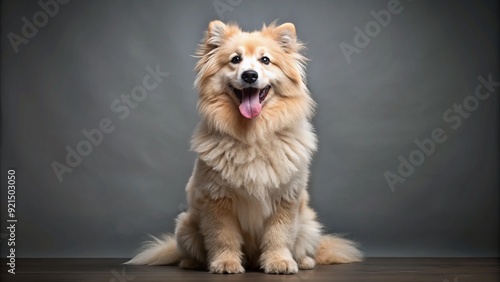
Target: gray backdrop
394, 89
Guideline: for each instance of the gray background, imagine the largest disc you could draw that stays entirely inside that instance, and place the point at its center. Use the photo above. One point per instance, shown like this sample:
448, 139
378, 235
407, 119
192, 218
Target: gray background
370, 112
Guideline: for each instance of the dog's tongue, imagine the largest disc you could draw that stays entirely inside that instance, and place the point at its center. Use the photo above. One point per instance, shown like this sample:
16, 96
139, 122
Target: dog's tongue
250, 105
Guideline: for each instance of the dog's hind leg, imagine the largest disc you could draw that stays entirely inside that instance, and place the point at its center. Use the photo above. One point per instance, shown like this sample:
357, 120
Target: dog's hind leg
190, 241
308, 237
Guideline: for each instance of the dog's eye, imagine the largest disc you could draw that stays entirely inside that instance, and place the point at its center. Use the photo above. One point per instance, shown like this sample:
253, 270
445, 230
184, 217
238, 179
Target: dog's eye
236, 59
265, 60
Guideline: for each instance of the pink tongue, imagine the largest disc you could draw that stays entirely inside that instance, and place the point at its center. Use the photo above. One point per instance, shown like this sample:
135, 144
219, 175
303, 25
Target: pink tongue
250, 105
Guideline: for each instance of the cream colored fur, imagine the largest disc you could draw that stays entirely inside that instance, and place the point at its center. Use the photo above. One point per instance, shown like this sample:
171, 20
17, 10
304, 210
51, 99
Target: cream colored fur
247, 196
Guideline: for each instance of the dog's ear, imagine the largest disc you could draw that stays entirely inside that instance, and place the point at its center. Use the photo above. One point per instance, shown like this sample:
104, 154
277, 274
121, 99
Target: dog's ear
285, 35
215, 33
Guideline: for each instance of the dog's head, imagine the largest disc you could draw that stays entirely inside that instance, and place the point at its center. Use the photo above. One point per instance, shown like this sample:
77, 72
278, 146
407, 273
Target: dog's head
251, 80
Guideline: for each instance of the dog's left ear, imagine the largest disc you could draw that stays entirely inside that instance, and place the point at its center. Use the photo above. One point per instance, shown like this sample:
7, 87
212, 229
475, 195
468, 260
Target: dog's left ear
285, 35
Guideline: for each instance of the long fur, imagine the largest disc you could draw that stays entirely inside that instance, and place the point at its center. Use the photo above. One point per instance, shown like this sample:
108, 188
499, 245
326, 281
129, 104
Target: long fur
248, 204
158, 252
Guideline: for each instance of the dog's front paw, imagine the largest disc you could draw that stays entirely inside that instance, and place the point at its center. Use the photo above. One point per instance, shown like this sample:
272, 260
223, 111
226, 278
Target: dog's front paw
307, 263
226, 266
280, 266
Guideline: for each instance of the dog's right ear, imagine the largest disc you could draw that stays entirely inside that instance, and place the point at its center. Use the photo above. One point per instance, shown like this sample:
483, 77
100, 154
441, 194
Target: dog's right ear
215, 33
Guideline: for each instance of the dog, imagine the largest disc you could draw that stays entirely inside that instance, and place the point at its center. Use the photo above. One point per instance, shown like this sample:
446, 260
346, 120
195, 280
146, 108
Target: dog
248, 205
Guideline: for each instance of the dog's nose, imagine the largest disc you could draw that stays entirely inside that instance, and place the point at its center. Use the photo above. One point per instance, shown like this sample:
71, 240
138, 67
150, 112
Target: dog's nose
249, 76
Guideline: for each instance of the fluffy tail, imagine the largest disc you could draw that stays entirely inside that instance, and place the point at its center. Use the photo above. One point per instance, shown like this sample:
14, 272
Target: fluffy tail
158, 252
335, 249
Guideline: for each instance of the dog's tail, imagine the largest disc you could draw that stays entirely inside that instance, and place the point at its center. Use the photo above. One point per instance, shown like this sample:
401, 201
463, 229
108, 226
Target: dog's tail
158, 252
335, 249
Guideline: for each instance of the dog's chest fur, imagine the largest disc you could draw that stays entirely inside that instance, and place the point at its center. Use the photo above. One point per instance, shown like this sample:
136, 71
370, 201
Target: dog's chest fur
268, 164
258, 174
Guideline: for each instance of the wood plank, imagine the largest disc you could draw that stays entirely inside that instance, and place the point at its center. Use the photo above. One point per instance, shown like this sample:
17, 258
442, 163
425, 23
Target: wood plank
372, 269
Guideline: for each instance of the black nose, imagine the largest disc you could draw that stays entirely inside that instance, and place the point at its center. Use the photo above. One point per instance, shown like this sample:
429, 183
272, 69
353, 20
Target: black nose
249, 76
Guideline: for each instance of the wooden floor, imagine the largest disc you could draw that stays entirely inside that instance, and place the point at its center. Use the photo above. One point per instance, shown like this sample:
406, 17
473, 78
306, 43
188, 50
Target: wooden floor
372, 269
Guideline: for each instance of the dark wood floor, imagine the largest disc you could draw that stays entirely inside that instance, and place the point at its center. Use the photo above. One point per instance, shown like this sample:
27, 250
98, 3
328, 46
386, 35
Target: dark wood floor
372, 269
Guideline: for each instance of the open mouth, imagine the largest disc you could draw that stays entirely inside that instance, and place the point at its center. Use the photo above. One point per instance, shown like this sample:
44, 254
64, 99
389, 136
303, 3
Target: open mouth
251, 100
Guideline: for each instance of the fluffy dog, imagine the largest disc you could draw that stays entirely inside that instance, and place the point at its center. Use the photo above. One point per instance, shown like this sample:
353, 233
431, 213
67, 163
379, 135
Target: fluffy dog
247, 196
